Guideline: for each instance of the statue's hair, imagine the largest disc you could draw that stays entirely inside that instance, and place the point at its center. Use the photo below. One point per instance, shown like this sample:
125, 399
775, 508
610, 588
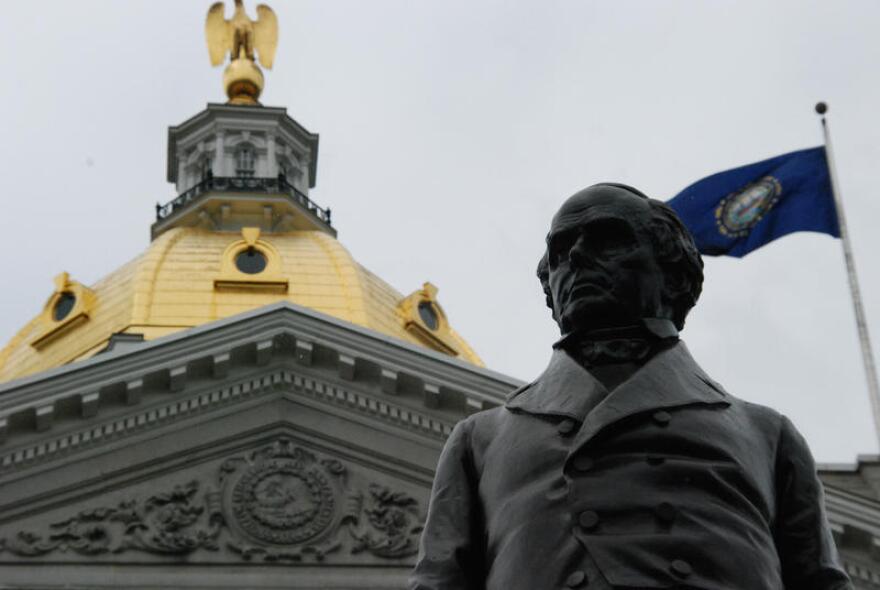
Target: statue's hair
674, 250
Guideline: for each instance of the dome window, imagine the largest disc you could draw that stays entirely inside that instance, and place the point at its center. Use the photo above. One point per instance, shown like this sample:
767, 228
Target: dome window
63, 305
245, 161
429, 315
251, 264
425, 319
250, 261
288, 170
69, 306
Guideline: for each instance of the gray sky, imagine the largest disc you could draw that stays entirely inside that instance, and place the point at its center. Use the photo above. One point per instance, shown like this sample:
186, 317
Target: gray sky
451, 131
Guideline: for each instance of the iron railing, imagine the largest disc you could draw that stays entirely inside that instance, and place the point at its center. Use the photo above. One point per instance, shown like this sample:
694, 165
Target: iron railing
241, 184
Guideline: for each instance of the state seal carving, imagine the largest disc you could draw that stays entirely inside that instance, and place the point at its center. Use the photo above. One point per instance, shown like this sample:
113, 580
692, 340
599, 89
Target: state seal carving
285, 496
283, 502
739, 212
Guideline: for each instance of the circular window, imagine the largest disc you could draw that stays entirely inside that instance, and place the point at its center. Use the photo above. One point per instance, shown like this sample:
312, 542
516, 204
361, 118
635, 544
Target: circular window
63, 305
428, 313
250, 261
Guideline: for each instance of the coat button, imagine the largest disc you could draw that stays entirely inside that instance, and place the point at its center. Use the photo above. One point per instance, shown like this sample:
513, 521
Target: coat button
662, 418
588, 519
576, 579
681, 568
558, 490
566, 427
583, 463
666, 512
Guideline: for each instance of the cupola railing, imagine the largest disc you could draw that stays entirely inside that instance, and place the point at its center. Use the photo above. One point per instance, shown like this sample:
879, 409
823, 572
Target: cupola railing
241, 184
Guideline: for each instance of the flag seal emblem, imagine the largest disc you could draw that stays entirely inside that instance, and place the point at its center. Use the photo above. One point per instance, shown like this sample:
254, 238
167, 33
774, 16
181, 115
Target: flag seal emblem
740, 211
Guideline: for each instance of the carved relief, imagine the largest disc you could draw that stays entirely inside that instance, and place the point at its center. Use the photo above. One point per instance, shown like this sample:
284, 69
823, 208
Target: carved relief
393, 524
165, 523
279, 503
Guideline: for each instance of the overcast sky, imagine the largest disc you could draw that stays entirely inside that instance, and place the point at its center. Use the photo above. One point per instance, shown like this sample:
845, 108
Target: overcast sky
451, 131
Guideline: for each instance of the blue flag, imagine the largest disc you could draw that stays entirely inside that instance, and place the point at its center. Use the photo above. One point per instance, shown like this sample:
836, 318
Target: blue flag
737, 211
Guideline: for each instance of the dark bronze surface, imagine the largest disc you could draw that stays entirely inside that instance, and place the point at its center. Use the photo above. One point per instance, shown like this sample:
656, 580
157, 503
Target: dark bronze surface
624, 465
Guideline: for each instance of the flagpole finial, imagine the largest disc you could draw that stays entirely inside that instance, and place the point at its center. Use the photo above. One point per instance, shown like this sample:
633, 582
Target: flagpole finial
821, 108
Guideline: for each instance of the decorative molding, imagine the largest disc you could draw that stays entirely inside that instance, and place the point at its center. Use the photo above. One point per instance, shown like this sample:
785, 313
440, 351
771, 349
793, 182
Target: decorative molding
167, 523
219, 339
865, 577
392, 526
846, 509
179, 408
278, 503
390, 412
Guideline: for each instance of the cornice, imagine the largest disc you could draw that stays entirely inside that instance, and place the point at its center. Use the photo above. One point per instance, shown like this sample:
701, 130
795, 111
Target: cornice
276, 382
867, 577
253, 326
300, 349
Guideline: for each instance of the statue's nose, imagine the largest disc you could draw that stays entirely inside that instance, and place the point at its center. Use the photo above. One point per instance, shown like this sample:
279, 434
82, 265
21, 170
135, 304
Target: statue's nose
579, 253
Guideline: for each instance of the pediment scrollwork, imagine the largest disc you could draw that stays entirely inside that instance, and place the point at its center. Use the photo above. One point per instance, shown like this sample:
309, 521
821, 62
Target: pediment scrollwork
280, 502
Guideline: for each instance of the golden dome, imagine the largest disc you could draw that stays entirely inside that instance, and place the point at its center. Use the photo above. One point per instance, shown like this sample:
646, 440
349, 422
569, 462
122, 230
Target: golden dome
189, 277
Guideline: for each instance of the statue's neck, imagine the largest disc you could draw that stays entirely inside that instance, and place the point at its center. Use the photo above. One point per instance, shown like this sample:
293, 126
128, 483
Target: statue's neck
612, 355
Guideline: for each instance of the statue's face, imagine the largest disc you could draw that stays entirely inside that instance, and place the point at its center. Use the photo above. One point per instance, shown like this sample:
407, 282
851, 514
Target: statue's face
603, 272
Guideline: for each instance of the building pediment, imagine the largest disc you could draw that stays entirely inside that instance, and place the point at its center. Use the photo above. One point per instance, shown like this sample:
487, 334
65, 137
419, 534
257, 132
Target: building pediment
279, 437
272, 498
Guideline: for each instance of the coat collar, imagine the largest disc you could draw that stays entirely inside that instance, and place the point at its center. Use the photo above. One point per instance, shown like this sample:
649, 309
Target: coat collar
669, 379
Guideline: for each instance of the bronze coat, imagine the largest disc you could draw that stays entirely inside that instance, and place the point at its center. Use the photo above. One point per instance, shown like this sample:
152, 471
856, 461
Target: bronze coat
668, 482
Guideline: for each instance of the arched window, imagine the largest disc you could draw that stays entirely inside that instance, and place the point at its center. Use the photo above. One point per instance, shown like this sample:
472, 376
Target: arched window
244, 161
289, 171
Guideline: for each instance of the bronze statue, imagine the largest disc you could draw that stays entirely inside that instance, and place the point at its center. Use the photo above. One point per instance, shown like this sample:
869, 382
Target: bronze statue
624, 465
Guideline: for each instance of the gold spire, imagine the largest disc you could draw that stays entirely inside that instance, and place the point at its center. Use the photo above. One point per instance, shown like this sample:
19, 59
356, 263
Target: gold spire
244, 41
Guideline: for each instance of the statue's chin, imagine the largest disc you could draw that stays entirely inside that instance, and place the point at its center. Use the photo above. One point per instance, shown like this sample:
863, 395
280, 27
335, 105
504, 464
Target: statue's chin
585, 316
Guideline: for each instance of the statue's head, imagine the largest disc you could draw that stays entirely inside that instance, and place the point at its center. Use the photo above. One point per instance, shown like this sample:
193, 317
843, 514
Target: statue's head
615, 256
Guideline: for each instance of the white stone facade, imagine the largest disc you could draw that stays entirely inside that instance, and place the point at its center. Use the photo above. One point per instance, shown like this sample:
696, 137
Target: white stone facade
245, 141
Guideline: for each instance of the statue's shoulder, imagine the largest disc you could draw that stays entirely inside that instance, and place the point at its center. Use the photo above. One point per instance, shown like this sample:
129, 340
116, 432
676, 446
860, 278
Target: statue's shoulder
749, 409
487, 419
481, 428
759, 418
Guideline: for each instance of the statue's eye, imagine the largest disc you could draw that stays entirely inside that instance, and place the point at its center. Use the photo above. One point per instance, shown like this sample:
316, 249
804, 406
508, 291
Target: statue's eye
610, 236
560, 245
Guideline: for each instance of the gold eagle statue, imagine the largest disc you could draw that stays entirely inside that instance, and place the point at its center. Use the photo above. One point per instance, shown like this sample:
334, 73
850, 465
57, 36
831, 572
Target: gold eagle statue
241, 37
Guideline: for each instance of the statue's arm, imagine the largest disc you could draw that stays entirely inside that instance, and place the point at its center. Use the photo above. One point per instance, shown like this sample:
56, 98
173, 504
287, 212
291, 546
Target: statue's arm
451, 550
803, 539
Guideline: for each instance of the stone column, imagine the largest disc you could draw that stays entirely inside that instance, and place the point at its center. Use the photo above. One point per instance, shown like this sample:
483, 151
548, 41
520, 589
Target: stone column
218, 167
272, 163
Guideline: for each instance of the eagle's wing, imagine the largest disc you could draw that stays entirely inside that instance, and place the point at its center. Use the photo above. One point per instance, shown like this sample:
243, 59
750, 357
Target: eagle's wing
266, 35
218, 33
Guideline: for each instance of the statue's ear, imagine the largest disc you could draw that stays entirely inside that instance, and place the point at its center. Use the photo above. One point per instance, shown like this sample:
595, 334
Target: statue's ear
543, 273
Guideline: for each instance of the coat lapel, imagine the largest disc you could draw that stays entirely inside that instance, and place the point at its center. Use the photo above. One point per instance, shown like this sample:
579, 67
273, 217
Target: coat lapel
671, 379
563, 389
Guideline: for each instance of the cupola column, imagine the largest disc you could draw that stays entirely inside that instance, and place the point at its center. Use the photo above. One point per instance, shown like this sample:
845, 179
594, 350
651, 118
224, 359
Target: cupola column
218, 167
271, 160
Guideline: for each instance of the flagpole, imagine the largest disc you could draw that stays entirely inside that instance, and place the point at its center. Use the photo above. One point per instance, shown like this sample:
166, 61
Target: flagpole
861, 320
